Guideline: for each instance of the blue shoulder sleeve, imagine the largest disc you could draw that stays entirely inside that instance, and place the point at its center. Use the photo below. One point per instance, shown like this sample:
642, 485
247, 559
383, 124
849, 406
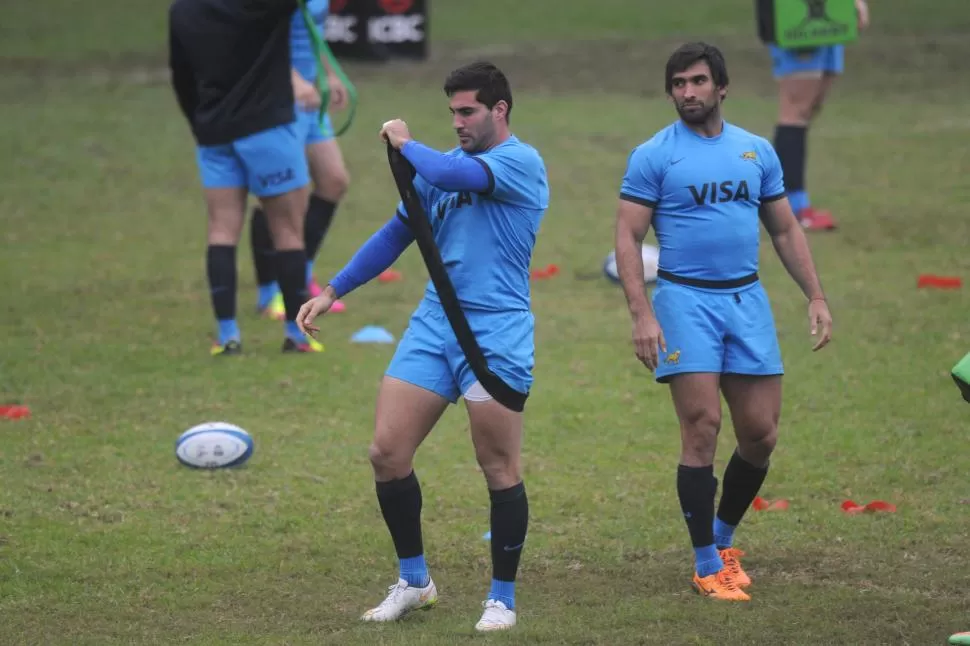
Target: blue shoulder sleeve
448, 172
516, 175
772, 177
642, 179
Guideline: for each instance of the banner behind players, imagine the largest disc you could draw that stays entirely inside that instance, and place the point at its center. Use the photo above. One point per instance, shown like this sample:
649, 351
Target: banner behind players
378, 29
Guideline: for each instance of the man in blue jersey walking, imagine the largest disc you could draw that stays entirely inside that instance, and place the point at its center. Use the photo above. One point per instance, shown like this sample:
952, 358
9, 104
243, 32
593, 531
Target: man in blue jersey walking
704, 184
486, 200
326, 164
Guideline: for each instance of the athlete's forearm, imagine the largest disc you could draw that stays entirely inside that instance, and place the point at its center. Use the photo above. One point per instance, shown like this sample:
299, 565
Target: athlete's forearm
629, 266
376, 255
331, 73
447, 172
792, 248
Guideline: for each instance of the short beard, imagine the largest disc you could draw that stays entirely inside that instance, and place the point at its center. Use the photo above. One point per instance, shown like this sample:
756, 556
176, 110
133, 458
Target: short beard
698, 117
481, 143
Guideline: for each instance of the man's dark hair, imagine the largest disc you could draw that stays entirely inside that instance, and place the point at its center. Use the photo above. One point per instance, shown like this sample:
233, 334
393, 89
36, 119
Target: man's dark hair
690, 53
488, 81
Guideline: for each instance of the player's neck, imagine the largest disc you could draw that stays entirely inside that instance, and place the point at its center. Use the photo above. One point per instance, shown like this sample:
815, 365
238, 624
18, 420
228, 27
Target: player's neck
501, 136
712, 127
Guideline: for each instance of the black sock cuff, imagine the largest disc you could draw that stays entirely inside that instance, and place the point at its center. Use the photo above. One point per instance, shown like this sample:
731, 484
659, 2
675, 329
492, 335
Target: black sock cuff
702, 478
683, 468
790, 130
393, 487
744, 465
317, 202
789, 141
514, 492
223, 255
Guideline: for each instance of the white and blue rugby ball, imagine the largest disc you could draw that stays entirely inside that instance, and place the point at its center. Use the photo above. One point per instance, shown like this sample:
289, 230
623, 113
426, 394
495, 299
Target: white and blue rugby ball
214, 445
651, 256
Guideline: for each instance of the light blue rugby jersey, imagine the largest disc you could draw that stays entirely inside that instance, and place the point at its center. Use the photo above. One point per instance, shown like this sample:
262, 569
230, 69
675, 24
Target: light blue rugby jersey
706, 194
486, 239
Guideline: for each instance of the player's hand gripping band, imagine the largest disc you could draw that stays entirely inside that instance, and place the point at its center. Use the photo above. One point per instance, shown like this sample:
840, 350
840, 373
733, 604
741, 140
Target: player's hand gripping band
420, 226
320, 49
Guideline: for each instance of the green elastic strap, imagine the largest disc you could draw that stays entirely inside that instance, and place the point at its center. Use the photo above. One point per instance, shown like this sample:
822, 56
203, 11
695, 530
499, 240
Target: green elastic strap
961, 375
320, 49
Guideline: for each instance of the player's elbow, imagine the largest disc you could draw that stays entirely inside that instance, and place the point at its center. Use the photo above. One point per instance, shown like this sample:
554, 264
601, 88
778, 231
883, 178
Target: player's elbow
778, 218
627, 234
781, 229
632, 222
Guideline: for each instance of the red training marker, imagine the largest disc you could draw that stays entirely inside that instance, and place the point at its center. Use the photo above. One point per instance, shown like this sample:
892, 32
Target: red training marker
14, 412
852, 507
762, 504
939, 282
548, 272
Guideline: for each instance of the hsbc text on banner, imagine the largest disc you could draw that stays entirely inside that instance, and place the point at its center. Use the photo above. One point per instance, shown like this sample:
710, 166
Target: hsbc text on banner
378, 30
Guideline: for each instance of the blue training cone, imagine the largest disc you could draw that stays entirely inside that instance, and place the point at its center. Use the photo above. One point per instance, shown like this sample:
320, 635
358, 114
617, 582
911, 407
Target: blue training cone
372, 334
487, 536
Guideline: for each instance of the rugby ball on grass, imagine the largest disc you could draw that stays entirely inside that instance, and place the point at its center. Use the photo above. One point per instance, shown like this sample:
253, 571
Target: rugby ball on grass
214, 445
651, 255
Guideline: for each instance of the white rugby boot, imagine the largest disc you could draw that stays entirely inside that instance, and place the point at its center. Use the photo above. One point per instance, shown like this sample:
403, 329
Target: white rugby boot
402, 599
495, 617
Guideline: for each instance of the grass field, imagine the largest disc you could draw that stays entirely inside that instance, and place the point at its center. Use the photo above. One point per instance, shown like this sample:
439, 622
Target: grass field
105, 539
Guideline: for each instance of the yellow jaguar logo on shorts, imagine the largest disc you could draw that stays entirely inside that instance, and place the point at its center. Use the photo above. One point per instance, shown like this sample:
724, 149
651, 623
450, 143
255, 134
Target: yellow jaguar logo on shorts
673, 357
750, 156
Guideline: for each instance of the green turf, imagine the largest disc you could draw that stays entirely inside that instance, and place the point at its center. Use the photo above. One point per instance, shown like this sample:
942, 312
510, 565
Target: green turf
105, 539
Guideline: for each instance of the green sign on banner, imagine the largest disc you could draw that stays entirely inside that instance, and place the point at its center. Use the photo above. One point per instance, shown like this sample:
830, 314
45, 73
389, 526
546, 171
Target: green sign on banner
814, 23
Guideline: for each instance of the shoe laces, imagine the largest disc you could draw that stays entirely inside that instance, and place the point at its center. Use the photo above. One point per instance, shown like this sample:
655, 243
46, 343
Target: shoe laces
730, 558
394, 593
493, 610
726, 579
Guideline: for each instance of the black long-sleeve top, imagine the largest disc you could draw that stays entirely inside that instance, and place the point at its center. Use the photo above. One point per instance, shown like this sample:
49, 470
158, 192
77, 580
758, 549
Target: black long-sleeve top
230, 65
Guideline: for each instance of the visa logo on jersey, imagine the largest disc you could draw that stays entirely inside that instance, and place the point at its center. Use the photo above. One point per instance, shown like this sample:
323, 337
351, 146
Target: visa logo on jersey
720, 192
454, 201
